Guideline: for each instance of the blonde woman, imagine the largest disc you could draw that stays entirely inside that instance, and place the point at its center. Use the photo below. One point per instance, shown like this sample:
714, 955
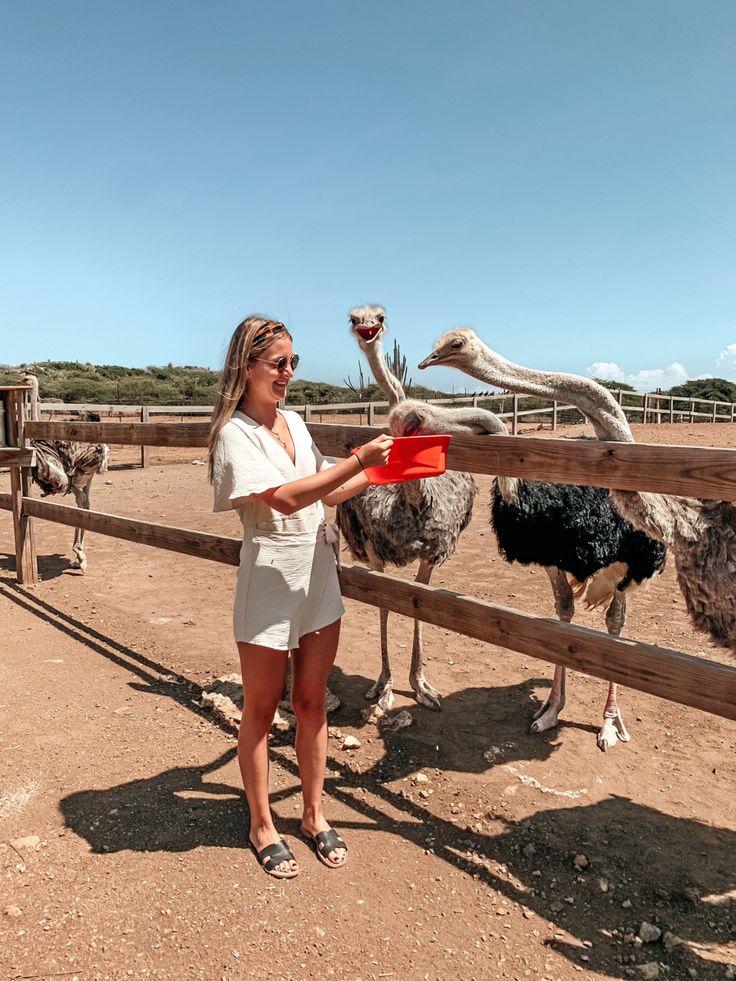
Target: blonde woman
264, 464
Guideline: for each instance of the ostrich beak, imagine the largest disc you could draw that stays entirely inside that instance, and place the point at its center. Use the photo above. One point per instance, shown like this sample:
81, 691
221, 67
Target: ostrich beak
433, 358
369, 333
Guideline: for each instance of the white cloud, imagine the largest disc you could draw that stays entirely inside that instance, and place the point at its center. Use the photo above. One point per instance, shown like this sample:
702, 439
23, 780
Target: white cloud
726, 362
607, 370
649, 379
645, 380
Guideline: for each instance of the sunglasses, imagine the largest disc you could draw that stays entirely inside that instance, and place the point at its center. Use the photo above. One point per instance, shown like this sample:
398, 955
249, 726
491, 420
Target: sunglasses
280, 365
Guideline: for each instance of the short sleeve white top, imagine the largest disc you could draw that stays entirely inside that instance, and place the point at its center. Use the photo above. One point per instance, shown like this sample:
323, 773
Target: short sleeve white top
249, 461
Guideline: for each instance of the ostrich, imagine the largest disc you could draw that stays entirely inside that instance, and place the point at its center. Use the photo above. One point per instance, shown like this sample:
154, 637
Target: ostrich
701, 533
588, 551
63, 467
419, 519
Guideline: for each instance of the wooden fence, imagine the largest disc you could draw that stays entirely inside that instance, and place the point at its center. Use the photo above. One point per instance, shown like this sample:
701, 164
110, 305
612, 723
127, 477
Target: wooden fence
698, 472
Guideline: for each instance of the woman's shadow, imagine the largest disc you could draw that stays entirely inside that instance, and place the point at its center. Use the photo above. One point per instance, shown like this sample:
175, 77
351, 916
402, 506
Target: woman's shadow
173, 811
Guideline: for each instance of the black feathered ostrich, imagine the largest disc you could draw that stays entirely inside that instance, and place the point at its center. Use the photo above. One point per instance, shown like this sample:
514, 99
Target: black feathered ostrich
63, 467
397, 524
701, 533
588, 551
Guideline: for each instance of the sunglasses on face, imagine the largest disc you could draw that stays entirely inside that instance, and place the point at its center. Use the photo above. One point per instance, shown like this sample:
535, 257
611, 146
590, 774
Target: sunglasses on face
280, 365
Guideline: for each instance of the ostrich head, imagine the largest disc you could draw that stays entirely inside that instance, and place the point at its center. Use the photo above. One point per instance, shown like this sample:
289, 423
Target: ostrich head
367, 324
414, 418
457, 348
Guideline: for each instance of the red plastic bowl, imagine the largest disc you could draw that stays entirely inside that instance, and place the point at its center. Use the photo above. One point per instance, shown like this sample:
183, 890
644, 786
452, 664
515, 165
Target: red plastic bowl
411, 458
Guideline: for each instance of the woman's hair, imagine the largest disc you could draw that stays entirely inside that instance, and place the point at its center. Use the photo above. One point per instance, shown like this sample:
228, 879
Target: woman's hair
253, 336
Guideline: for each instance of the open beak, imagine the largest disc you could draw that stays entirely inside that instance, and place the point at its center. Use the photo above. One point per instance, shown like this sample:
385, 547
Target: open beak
369, 334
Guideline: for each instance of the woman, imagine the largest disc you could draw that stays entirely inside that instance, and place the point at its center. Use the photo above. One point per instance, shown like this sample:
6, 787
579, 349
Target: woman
264, 464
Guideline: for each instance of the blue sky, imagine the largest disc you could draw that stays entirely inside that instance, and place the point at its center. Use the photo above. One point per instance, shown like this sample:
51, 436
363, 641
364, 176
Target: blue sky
558, 175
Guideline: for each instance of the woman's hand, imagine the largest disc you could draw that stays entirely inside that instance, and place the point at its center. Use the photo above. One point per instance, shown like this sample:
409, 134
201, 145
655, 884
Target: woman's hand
375, 453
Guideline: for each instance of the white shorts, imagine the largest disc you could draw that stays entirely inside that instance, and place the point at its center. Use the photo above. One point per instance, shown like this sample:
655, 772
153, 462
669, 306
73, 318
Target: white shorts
287, 587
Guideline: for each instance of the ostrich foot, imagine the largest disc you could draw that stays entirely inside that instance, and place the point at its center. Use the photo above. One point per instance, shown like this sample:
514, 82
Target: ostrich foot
80, 560
612, 730
332, 702
384, 689
546, 717
425, 694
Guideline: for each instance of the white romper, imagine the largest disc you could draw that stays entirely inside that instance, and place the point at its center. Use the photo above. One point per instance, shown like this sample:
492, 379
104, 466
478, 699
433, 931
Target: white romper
287, 582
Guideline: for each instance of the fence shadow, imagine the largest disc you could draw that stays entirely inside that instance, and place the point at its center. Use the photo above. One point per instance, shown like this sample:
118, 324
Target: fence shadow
156, 677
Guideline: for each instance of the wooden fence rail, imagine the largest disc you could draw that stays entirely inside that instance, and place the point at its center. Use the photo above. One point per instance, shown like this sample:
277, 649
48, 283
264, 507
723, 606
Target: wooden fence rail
684, 470
701, 472
644, 407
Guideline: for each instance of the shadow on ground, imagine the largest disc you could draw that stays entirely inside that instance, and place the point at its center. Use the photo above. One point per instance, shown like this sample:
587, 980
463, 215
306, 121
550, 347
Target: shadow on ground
676, 872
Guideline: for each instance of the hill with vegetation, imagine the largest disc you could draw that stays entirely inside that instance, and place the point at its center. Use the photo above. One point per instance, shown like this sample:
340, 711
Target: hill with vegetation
71, 381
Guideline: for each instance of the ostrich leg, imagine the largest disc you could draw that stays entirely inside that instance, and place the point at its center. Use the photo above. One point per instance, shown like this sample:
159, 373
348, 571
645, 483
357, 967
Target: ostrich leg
546, 717
384, 686
81, 495
425, 694
613, 727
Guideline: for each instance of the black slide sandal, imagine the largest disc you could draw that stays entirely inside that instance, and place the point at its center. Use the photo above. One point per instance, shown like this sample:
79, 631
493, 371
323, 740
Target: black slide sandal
274, 855
325, 842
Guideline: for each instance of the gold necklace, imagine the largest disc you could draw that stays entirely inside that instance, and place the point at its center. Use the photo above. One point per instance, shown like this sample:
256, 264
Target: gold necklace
276, 436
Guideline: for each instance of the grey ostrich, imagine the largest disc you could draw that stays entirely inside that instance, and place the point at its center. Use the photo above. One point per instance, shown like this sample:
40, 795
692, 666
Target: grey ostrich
421, 519
64, 467
701, 533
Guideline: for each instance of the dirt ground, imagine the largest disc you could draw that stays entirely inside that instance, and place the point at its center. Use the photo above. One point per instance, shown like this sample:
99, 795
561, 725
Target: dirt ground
477, 850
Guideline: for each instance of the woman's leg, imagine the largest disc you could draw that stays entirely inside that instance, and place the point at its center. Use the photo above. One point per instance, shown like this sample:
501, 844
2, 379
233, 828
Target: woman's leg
263, 672
311, 666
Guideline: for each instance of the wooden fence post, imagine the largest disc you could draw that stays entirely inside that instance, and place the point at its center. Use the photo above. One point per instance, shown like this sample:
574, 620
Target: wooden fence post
554, 416
715, 411
307, 413
672, 408
144, 449
692, 410
371, 414
26, 565
515, 417
646, 407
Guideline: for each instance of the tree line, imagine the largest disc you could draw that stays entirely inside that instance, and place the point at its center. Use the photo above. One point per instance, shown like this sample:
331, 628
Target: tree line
72, 381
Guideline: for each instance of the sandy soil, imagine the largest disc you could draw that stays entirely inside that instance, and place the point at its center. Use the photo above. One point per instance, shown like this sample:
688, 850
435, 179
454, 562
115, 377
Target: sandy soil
122, 820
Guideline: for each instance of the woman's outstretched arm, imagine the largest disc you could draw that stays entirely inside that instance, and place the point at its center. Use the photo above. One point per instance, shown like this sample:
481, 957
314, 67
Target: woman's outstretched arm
333, 485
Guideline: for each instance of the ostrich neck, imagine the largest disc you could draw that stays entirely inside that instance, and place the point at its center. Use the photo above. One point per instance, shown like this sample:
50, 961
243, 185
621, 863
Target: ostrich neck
388, 383
660, 516
33, 398
598, 405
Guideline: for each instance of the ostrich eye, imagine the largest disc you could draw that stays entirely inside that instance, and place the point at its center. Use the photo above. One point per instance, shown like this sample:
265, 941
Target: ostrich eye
380, 318
456, 345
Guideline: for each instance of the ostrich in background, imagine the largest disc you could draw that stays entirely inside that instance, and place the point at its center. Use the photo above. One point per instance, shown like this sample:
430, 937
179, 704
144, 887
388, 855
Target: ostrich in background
63, 467
701, 533
588, 551
419, 519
